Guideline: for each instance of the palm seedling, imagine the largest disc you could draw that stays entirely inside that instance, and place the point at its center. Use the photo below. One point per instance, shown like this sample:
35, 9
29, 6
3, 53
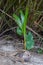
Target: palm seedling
21, 30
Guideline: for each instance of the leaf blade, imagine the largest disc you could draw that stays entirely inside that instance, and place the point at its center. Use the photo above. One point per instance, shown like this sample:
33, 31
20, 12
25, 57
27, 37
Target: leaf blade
17, 20
22, 16
19, 31
25, 21
29, 41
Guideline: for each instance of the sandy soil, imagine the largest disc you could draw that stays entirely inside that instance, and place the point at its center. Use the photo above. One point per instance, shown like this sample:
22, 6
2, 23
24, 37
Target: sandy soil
11, 55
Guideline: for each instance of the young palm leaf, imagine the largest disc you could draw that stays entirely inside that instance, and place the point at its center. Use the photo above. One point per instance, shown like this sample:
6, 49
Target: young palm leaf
28, 38
19, 30
24, 26
19, 23
29, 41
25, 19
22, 17
17, 20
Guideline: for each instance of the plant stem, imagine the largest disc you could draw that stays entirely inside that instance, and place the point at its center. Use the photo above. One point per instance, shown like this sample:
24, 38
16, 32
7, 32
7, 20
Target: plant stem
24, 42
25, 37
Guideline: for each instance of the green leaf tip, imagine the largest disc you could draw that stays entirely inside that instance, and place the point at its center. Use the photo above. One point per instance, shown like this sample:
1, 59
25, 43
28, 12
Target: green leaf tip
17, 20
